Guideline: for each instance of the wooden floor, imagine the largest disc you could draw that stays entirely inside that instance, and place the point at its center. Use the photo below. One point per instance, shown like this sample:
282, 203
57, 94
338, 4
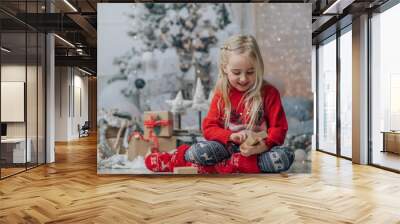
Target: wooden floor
387, 159
5, 172
10, 171
70, 191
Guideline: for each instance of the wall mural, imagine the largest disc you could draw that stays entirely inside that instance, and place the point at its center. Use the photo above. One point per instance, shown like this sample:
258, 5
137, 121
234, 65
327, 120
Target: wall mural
157, 68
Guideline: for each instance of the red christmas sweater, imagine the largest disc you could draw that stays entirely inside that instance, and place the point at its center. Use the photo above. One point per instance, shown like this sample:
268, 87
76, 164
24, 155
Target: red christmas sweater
272, 118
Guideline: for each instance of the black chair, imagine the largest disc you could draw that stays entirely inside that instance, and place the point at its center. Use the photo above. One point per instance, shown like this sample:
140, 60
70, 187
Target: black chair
84, 130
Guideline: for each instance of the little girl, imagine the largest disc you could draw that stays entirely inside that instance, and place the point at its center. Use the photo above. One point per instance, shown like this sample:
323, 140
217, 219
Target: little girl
242, 102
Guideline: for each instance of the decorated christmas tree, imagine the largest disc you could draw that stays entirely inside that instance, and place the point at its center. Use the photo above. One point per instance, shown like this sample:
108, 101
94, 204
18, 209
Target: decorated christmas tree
188, 28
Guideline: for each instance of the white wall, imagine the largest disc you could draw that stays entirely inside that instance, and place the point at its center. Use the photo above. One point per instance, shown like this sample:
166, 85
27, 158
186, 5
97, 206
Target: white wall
12, 100
61, 103
79, 117
70, 83
16, 73
12, 73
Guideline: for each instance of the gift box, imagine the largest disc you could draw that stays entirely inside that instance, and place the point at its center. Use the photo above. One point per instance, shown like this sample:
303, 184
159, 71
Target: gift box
160, 123
254, 137
138, 146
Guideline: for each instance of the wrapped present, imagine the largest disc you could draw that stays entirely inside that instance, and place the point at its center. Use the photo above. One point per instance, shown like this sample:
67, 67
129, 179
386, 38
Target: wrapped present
138, 147
158, 123
141, 146
185, 170
253, 138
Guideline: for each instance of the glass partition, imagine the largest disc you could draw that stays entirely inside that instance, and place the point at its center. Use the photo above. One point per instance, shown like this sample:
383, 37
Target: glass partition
13, 105
41, 87
327, 96
32, 96
22, 88
346, 93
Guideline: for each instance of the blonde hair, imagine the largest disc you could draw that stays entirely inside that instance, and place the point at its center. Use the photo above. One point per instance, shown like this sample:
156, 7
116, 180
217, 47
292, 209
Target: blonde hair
241, 44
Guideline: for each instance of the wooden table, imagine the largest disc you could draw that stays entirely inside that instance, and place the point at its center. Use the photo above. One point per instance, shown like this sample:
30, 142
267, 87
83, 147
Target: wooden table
391, 141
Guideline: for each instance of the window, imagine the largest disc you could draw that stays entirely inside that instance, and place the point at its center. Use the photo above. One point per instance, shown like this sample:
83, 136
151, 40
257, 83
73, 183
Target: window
327, 95
346, 93
385, 85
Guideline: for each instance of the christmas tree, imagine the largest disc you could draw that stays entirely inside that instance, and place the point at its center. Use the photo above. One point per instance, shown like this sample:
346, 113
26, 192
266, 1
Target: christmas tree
199, 99
188, 28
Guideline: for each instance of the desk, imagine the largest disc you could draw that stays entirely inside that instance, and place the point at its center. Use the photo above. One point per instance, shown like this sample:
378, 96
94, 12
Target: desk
13, 150
391, 141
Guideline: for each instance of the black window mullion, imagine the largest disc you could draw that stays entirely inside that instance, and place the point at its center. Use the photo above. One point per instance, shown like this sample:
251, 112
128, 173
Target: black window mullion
338, 74
37, 90
26, 87
369, 90
317, 97
44, 78
45, 94
73, 92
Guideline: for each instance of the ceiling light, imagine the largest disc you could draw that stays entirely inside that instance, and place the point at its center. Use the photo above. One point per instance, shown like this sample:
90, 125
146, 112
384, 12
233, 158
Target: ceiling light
5, 50
329, 9
65, 41
84, 71
79, 51
338, 6
70, 5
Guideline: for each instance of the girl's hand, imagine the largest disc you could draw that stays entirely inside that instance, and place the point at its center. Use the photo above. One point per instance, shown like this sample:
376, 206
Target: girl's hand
238, 137
247, 150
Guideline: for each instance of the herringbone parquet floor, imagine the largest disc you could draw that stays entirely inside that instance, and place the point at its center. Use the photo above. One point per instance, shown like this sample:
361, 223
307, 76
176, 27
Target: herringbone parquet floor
70, 191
